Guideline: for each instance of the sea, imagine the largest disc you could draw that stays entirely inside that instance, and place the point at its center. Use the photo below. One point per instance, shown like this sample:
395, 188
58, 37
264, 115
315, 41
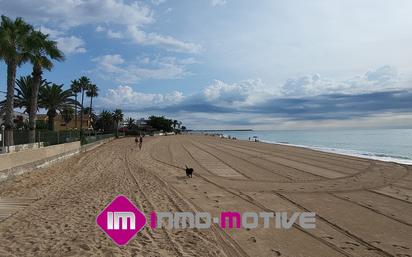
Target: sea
392, 145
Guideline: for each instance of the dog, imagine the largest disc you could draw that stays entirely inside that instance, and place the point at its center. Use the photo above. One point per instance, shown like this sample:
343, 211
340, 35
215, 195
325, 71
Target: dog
189, 172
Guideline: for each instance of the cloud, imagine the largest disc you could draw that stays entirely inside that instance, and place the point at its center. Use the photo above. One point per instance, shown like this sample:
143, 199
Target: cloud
382, 78
114, 34
68, 13
70, 45
100, 29
157, 2
244, 93
218, 2
167, 42
114, 67
67, 44
129, 100
299, 103
110, 33
133, 17
254, 97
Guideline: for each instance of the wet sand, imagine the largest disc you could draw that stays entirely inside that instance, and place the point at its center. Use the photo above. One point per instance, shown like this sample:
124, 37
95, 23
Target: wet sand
363, 207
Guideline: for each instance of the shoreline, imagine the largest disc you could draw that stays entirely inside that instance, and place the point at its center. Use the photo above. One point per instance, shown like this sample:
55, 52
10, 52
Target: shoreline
347, 152
364, 154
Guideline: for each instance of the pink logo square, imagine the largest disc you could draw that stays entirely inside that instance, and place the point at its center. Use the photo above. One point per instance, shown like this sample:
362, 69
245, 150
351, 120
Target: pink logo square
121, 220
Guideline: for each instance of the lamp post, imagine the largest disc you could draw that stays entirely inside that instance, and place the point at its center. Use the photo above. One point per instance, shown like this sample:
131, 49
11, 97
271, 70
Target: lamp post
2, 136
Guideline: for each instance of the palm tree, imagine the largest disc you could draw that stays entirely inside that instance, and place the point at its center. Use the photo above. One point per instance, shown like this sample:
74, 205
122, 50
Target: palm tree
105, 120
67, 115
130, 123
91, 92
54, 99
41, 52
117, 117
22, 96
75, 87
175, 122
13, 37
84, 84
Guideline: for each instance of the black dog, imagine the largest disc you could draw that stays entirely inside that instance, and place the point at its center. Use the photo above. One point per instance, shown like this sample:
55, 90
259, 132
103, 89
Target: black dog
189, 172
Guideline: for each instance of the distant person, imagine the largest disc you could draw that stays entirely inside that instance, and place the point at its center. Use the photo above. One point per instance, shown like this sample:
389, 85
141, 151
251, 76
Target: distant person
140, 142
136, 140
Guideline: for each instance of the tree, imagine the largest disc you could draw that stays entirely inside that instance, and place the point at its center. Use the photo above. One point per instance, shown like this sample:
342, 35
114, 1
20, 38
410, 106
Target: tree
67, 115
22, 96
84, 84
117, 117
75, 87
105, 121
160, 123
175, 123
91, 92
41, 51
54, 99
130, 123
13, 37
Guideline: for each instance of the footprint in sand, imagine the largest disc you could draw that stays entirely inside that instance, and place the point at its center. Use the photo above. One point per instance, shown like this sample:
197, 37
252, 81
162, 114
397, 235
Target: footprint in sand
328, 237
276, 252
400, 247
375, 242
351, 243
346, 248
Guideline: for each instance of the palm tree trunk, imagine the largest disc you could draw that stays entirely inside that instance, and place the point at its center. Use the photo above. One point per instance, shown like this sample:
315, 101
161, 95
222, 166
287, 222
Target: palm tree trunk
33, 102
51, 115
81, 114
11, 78
90, 110
75, 112
117, 129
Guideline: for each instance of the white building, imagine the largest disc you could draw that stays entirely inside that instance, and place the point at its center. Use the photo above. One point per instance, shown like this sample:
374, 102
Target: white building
17, 116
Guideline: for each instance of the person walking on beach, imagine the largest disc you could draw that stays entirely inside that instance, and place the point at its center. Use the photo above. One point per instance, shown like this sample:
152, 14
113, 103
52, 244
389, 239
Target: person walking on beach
140, 142
136, 140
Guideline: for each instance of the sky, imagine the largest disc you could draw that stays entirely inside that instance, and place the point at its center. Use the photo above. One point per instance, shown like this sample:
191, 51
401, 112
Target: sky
235, 64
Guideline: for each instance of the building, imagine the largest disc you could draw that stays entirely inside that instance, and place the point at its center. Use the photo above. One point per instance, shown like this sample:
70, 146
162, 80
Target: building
141, 122
60, 124
19, 118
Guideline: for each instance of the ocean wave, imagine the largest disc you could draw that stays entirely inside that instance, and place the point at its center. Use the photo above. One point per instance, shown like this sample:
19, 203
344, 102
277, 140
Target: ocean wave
354, 153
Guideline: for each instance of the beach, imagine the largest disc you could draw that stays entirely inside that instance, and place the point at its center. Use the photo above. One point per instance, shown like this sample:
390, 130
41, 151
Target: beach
363, 207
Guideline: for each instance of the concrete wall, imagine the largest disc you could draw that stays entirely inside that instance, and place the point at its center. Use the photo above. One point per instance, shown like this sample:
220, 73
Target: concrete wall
19, 162
18, 148
13, 164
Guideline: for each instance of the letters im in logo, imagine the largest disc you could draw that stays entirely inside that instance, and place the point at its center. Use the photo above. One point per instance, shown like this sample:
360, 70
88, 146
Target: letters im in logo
121, 220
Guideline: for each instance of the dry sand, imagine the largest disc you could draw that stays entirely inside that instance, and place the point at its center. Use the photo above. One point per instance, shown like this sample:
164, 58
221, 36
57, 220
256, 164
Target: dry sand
364, 207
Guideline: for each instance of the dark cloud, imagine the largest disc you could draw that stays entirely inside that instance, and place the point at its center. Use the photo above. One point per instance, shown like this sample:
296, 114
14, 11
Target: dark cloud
334, 106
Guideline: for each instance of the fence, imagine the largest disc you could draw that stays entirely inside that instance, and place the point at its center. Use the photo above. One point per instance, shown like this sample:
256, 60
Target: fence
48, 138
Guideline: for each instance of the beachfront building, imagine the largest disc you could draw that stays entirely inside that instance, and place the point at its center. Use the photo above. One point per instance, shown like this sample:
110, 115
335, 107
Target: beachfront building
18, 118
141, 123
60, 124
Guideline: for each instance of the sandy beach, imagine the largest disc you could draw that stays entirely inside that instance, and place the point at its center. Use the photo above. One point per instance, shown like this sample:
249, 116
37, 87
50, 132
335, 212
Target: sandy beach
363, 207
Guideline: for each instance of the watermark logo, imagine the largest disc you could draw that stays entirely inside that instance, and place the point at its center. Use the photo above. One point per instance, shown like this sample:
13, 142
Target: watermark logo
121, 220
